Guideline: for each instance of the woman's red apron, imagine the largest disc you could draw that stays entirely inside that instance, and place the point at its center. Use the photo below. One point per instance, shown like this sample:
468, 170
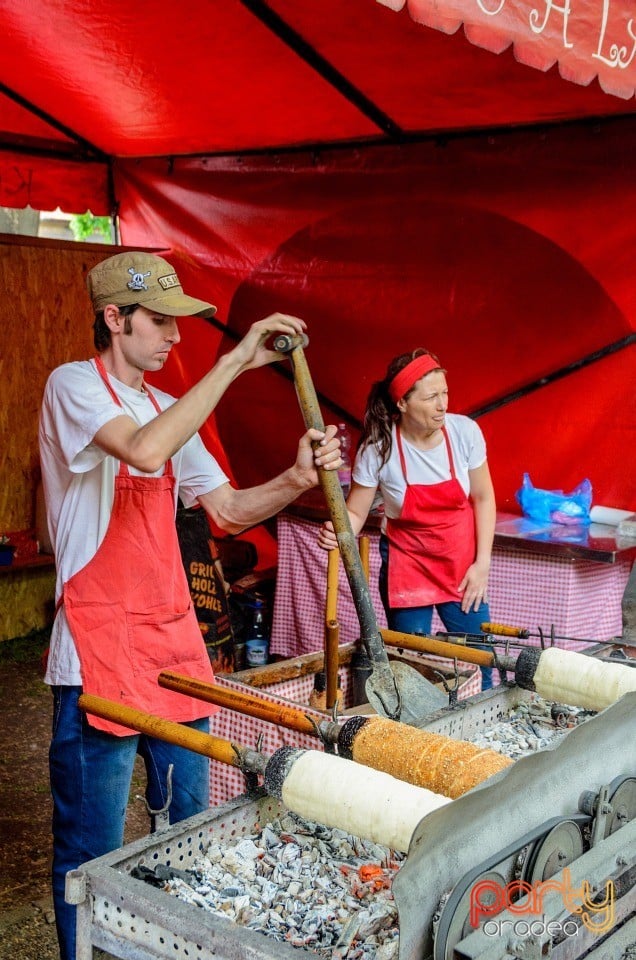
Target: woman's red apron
432, 543
129, 609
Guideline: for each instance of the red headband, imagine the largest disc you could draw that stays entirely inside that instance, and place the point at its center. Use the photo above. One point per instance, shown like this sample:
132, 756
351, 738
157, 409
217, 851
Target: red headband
410, 374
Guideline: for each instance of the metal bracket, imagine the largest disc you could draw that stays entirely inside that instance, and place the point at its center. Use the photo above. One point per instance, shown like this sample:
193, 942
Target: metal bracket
390, 714
451, 691
602, 812
320, 729
251, 776
251, 783
160, 818
531, 948
498, 664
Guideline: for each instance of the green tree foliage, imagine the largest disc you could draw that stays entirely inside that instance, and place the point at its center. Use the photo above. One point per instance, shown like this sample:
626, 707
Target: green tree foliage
84, 225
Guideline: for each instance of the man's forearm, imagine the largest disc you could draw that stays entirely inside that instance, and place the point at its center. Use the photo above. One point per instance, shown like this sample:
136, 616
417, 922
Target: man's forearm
240, 509
147, 448
163, 436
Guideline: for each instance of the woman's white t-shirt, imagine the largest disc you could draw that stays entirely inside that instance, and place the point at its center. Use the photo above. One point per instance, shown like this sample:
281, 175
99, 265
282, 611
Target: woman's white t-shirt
422, 466
79, 479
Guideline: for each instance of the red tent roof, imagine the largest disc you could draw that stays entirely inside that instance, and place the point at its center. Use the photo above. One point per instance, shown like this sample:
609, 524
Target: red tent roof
89, 80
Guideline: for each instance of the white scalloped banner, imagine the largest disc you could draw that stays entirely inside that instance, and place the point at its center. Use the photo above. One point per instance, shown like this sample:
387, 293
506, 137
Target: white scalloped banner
586, 38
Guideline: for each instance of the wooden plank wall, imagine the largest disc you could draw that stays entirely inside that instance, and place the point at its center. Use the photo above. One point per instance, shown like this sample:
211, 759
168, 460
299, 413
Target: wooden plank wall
45, 320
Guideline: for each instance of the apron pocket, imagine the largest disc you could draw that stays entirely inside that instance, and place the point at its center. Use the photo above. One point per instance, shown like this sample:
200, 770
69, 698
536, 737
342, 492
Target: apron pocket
160, 640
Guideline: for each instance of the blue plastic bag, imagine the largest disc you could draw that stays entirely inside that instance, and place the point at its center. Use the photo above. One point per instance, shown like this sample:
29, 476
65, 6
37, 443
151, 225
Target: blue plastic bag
555, 506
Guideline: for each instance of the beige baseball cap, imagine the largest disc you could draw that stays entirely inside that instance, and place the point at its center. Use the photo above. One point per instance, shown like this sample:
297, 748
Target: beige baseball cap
145, 279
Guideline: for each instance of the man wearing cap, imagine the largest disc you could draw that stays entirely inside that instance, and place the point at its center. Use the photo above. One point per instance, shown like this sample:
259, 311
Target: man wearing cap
115, 457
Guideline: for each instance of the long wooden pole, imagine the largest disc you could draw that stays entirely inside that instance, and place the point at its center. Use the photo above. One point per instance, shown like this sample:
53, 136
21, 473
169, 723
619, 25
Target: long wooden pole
331, 604
363, 546
440, 648
234, 754
291, 669
381, 672
332, 629
293, 718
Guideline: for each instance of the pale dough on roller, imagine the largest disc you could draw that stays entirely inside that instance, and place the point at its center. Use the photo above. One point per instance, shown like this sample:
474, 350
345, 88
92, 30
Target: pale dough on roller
361, 801
581, 681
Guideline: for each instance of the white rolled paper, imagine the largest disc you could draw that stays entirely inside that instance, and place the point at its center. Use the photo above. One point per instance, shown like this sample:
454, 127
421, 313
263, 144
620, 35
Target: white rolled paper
609, 515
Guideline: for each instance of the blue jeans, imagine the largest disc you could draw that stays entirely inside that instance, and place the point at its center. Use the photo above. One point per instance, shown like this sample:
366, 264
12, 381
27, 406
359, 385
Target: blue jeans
91, 772
420, 619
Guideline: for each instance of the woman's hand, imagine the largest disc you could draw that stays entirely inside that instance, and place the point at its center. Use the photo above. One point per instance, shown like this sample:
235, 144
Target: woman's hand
358, 504
474, 586
327, 537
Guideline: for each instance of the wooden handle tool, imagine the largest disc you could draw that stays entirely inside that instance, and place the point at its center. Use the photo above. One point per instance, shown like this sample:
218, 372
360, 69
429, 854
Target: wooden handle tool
505, 631
225, 751
439, 648
332, 630
395, 689
292, 718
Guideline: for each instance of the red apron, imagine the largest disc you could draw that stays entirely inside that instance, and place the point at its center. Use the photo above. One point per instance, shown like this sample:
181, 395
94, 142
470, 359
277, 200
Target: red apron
432, 544
129, 609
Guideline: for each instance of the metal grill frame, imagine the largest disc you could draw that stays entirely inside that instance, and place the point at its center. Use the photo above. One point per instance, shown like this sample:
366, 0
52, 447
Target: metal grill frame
132, 920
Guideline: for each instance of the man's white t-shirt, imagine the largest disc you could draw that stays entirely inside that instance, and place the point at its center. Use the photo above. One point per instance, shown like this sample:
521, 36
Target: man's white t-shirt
422, 466
79, 479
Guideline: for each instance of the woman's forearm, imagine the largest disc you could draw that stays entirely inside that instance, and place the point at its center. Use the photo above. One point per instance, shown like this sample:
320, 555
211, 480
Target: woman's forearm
482, 494
485, 517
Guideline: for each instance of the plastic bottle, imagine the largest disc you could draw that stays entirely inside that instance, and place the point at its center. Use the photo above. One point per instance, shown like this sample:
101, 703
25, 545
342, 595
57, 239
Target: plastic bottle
344, 472
256, 638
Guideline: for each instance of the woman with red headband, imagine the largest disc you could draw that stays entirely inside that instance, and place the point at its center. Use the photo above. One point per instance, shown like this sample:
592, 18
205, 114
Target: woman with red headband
431, 470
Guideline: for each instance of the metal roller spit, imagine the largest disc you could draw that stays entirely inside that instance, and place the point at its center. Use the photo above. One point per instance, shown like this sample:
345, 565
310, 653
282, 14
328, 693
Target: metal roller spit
566, 814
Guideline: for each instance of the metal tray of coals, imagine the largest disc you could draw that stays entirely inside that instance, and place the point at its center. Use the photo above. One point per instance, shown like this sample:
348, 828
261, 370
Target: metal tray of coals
131, 919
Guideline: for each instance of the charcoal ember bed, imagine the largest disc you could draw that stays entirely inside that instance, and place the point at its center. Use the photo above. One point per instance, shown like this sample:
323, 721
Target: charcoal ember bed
303, 883
322, 889
530, 726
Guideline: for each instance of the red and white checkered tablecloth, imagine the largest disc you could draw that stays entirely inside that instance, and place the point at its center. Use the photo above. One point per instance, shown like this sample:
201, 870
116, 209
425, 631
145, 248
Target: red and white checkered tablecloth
301, 581
581, 598
228, 782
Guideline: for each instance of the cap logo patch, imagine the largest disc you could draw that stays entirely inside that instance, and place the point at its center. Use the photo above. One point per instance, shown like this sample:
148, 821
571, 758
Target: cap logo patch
138, 281
166, 283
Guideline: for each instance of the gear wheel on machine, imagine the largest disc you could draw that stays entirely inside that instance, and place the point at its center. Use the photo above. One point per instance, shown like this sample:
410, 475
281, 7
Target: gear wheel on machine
623, 802
458, 925
553, 852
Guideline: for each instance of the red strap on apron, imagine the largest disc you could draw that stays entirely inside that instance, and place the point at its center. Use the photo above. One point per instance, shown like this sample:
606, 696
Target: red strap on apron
432, 543
101, 369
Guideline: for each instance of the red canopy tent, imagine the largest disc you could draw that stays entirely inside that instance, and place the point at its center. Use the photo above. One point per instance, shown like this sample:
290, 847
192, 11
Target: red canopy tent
394, 185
